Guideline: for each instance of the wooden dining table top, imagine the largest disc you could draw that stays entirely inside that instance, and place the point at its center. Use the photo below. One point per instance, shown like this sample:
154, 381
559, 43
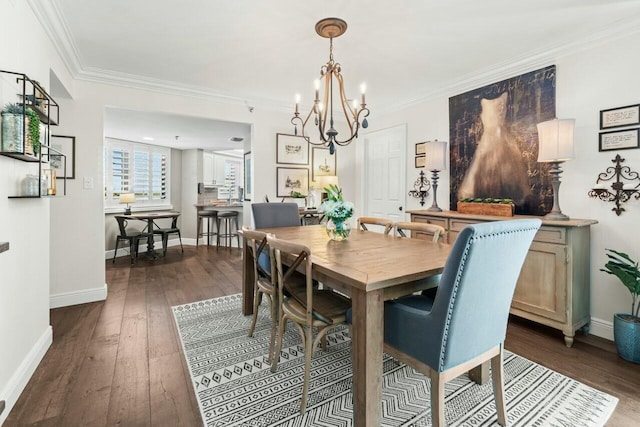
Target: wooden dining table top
153, 215
368, 260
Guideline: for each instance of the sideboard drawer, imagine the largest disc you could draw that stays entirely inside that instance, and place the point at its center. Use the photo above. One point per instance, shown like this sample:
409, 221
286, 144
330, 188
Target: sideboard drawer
548, 234
459, 224
442, 222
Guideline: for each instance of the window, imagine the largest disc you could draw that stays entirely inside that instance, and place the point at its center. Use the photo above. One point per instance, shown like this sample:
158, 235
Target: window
139, 168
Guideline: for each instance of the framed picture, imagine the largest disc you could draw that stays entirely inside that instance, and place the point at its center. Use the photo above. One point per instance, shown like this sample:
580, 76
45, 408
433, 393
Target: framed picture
421, 148
421, 161
621, 116
291, 150
322, 163
67, 146
618, 140
248, 191
292, 179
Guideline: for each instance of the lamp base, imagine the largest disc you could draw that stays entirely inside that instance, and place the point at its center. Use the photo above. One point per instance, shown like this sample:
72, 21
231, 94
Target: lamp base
556, 216
434, 209
127, 211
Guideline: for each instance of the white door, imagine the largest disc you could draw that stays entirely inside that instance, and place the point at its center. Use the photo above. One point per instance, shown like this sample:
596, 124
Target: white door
385, 173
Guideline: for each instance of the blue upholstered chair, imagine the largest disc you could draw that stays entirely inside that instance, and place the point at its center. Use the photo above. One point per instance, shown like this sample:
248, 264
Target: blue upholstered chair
465, 325
267, 215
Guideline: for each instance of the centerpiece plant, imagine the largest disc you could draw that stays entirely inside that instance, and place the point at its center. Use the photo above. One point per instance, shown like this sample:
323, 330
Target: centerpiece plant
626, 327
338, 211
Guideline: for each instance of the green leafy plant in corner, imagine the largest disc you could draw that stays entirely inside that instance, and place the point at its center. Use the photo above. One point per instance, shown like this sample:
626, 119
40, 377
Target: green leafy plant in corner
34, 130
626, 269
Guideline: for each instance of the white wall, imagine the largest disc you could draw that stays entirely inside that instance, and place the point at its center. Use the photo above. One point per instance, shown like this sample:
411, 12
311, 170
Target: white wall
587, 82
24, 269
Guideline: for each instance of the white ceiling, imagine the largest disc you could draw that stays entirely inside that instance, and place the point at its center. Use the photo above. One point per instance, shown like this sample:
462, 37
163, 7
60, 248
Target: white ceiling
261, 53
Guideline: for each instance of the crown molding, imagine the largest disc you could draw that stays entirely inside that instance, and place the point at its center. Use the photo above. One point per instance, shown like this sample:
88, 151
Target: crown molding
50, 16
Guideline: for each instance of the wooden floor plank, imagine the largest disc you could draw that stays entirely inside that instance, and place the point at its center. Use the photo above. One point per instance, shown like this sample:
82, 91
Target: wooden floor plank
120, 362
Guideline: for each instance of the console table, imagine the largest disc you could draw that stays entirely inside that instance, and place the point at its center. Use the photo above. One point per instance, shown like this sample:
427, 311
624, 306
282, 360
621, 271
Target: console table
554, 285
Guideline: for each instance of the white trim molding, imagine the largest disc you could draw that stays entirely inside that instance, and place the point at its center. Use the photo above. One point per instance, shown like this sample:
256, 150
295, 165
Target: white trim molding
601, 328
83, 296
23, 374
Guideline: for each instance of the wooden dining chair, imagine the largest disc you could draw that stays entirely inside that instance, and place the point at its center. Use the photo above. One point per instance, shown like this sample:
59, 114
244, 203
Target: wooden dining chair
165, 232
465, 325
419, 227
256, 242
307, 308
363, 221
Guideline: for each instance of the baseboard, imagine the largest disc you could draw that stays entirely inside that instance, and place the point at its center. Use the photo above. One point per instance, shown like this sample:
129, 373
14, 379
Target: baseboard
78, 297
158, 245
601, 328
22, 375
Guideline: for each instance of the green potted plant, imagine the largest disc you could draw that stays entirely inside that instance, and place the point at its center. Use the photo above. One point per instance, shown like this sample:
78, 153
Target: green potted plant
338, 211
626, 326
13, 132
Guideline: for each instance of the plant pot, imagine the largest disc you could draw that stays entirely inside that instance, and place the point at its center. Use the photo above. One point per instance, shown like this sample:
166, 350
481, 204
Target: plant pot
12, 133
626, 334
338, 230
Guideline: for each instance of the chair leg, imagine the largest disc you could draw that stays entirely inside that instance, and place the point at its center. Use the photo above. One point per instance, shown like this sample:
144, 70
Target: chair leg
324, 343
199, 231
274, 323
276, 353
308, 352
254, 318
165, 243
497, 375
116, 251
133, 249
180, 238
437, 400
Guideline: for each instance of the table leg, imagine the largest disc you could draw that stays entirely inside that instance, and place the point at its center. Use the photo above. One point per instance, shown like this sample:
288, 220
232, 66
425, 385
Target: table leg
150, 240
480, 374
367, 342
248, 280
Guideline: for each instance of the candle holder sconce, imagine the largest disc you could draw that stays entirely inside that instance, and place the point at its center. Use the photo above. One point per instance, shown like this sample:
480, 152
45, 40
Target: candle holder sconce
619, 176
421, 188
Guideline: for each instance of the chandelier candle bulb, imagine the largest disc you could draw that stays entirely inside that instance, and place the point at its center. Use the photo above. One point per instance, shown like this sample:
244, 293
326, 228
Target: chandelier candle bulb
363, 89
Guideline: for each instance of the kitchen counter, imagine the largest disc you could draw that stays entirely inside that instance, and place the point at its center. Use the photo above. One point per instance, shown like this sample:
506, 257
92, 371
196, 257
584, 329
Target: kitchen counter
214, 206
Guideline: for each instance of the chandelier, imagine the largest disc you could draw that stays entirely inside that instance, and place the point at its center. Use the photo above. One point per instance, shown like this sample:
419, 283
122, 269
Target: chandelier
323, 109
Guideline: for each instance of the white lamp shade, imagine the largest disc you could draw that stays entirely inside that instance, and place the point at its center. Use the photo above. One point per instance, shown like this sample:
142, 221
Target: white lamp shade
127, 198
436, 155
555, 140
324, 181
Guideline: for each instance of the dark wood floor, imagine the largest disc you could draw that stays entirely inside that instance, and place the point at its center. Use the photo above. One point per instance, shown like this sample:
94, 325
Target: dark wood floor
120, 362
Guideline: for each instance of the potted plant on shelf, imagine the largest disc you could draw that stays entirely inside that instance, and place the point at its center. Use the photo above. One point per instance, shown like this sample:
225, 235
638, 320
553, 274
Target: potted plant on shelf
626, 327
338, 211
13, 139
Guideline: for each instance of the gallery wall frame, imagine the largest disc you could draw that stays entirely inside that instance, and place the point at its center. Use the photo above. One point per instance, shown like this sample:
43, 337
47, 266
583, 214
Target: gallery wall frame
420, 162
620, 117
625, 139
291, 179
421, 148
248, 191
323, 163
67, 146
291, 150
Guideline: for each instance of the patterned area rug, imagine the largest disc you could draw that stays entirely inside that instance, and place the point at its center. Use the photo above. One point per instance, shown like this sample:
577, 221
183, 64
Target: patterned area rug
235, 387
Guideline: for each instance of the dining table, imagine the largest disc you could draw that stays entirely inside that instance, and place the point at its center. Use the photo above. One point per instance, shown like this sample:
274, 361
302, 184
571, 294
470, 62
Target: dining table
370, 268
150, 217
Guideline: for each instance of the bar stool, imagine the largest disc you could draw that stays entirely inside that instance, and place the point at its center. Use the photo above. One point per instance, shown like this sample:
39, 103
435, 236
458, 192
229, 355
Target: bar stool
228, 233
209, 216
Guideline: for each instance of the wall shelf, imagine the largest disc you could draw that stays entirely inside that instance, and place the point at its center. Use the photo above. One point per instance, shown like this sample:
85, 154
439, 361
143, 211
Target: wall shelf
18, 139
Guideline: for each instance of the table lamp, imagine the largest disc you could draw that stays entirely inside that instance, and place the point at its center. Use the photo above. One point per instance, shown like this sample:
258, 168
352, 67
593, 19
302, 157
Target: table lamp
436, 161
555, 145
127, 198
323, 182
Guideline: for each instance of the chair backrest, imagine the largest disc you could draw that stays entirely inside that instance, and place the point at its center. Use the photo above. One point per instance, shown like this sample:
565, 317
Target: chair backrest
256, 242
174, 221
302, 259
267, 215
370, 220
471, 307
122, 225
422, 227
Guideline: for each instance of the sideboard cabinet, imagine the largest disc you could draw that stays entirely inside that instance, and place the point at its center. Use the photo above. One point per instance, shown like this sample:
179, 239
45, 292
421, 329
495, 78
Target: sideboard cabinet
554, 284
